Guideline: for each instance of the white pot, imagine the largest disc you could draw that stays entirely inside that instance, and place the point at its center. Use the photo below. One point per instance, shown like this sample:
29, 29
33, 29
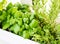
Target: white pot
10, 38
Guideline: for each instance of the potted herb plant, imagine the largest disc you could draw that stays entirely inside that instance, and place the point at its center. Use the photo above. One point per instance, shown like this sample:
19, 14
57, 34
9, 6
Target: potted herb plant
38, 26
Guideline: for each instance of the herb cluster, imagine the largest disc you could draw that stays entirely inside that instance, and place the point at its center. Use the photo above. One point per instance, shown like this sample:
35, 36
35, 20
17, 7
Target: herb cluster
39, 26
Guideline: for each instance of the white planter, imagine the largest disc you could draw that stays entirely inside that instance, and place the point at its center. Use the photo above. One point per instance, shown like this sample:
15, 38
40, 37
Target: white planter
10, 38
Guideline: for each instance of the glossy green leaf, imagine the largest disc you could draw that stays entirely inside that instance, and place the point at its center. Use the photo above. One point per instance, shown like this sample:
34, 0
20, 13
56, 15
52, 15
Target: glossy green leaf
26, 26
20, 21
15, 28
10, 5
6, 25
18, 14
34, 23
26, 34
26, 20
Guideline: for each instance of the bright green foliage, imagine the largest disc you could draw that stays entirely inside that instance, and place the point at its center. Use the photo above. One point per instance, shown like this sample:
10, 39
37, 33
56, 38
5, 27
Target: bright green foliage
2, 16
2, 3
18, 19
15, 28
26, 34
34, 23
10, 5
39, 26
6, 25
49, 33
